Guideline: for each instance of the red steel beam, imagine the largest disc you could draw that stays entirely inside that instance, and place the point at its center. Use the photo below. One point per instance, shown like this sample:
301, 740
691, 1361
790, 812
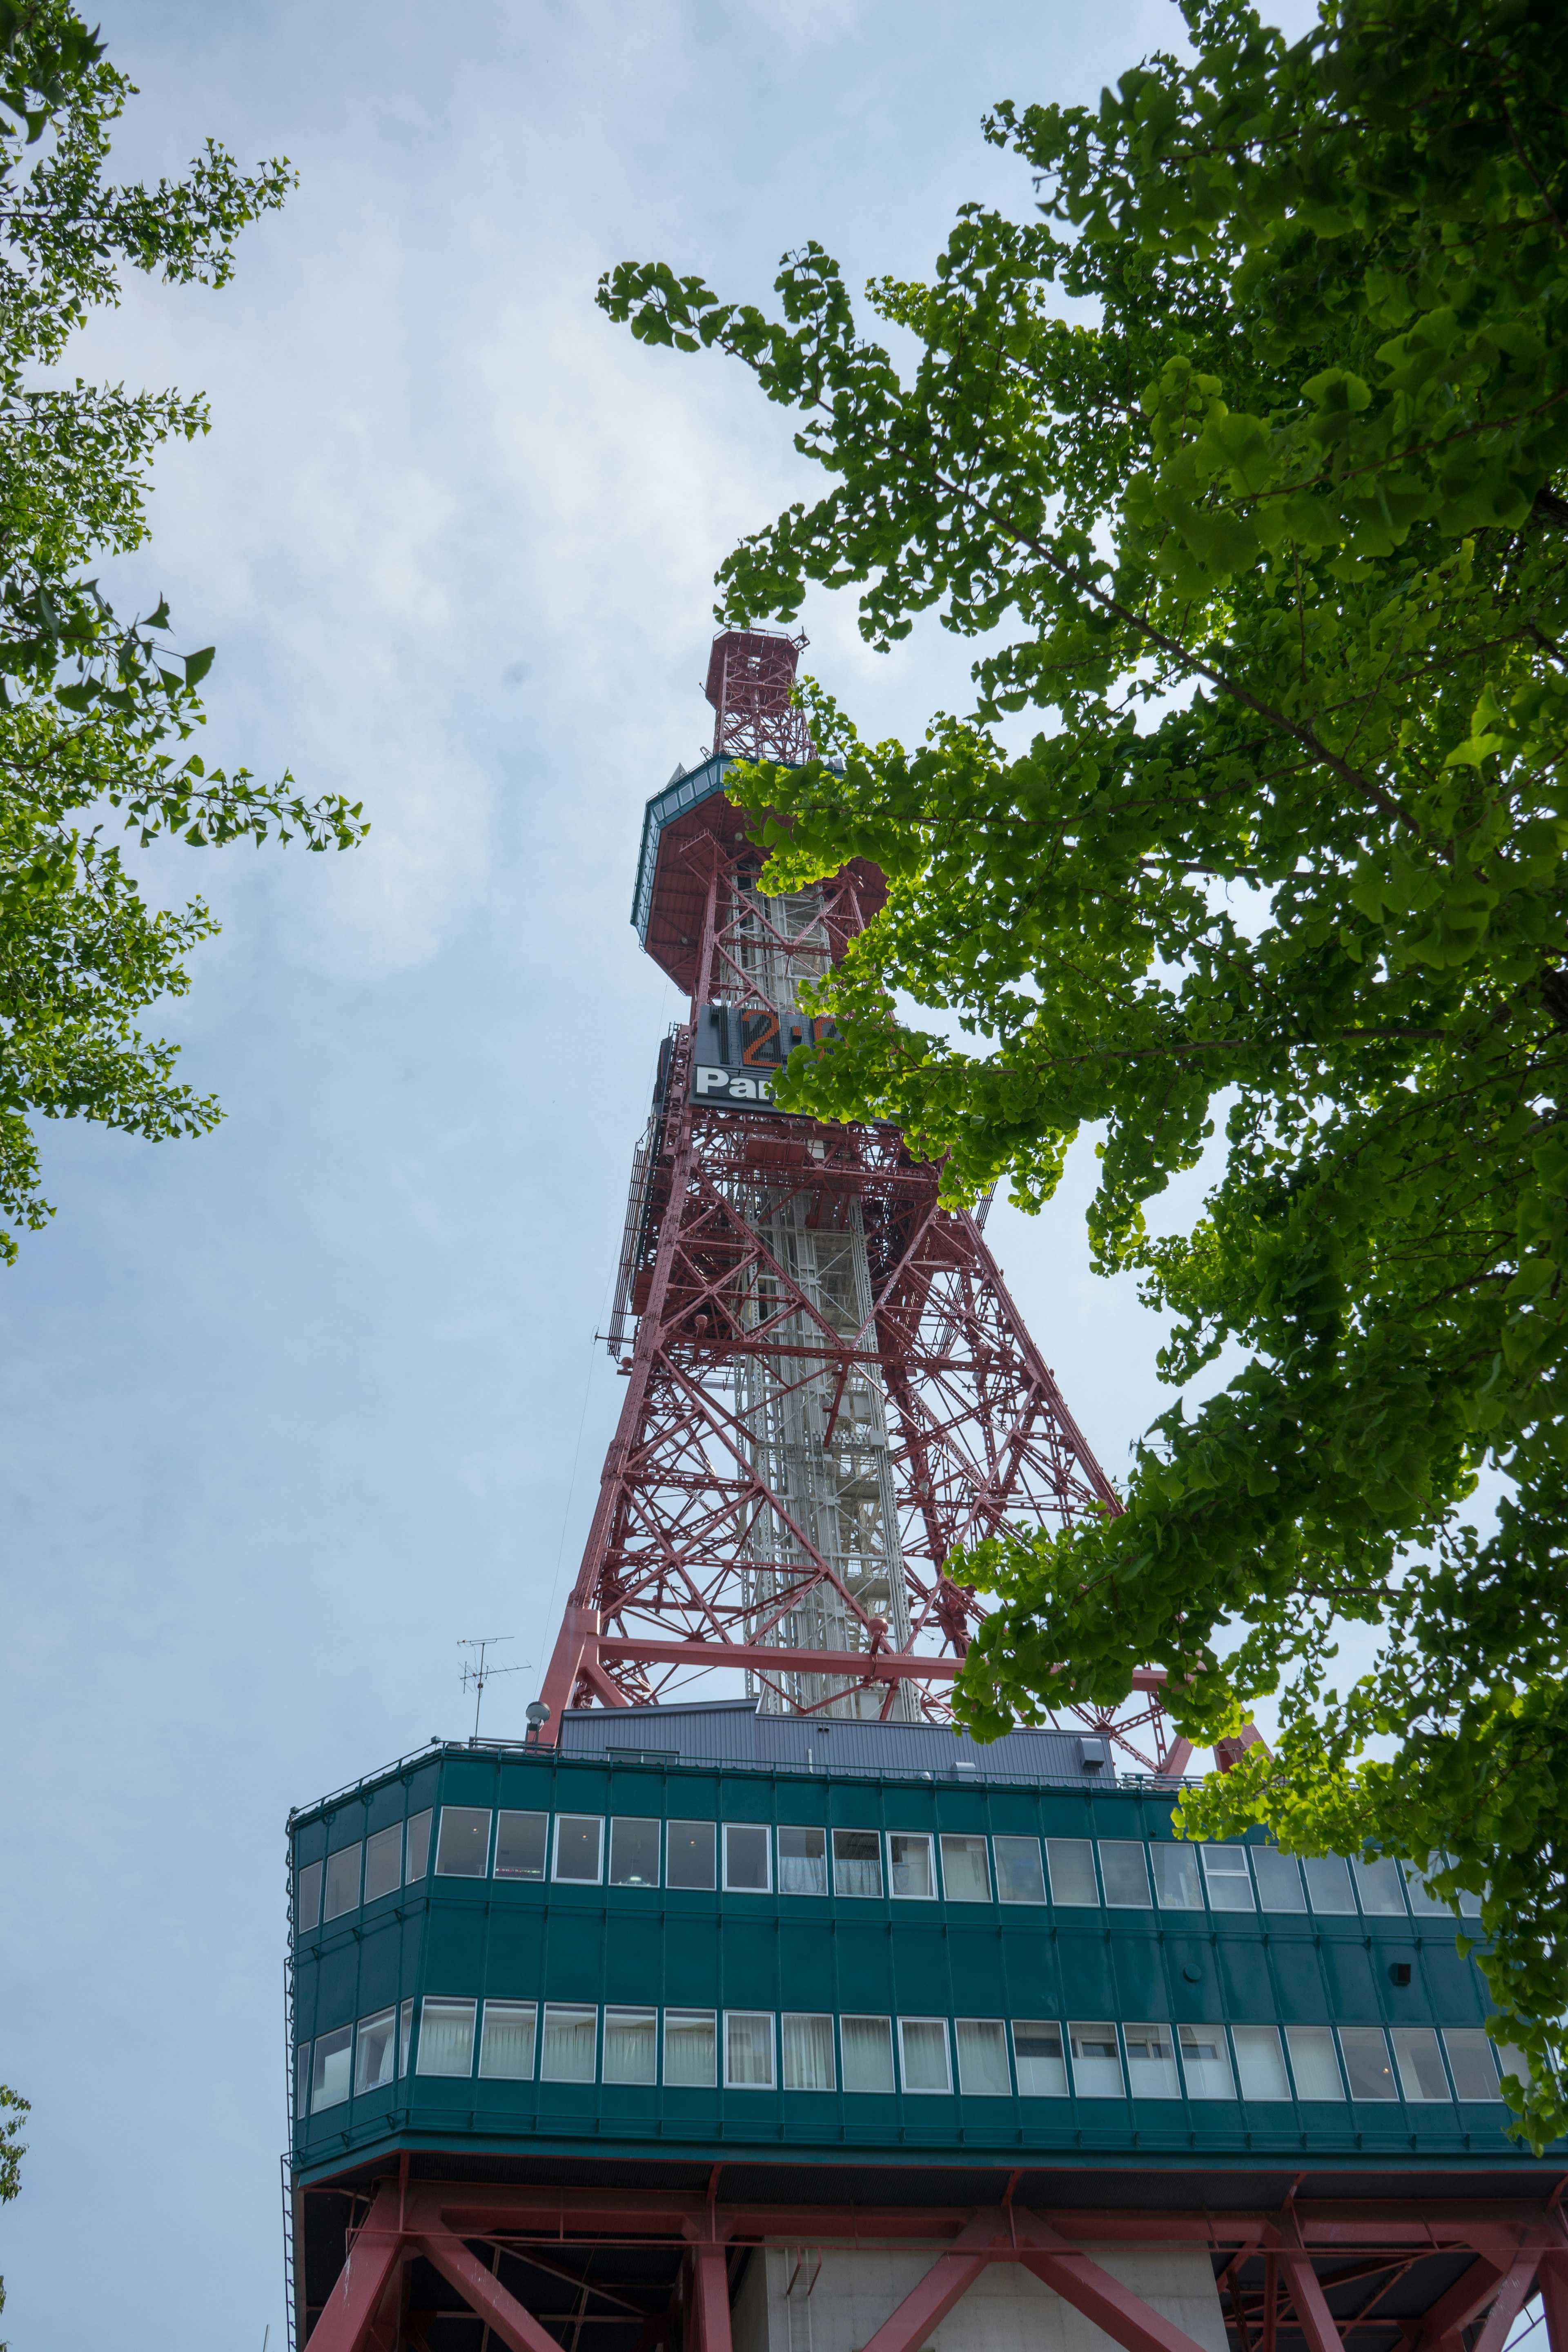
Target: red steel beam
1123, 2315
350, 2308
1511, 2294
713, 2298
1466, 2300
867, 1665
1552, 2281
1308, 2301
483, 2292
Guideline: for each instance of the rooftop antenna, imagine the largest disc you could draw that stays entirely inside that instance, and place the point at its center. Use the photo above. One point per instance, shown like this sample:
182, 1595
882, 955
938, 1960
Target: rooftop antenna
478, 1672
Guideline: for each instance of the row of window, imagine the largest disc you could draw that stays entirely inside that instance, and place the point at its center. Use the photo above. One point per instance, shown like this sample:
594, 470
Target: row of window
519, 2042
750, 1858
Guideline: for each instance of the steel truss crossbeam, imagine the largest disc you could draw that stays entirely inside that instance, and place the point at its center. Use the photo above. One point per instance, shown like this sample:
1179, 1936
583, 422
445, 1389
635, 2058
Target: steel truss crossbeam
463, 2229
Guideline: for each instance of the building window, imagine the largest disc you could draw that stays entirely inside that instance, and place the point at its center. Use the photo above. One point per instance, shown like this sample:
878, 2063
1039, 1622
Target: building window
1512, 2061
1367, 2070
1176, 1875
748, 2050
520, 1841
506, 2040
383, 1863
463, 1848
746, 1868
1470, 2062
418, 1847
570, 2043
1312, 2062
966, 1873
911, 1873
446, 2037
307, 1898
1096, 2061
405, 2036
1125, 1874
689, 1856
690, 2048
807, 2052
1073, 1882
982, 2058
1419, 1895
1151, 2061
634, 1852
1279, 1877
867, 2045
342, 1881
1259, 2061
1037, 2055
1329, 1885
1019, 1878
1420, 2062
1225, 1875
302, 2081
803, 1861
922, 2054
578, 1837
1205, 2062
856, 1862
631, 2046
1377, 1883
378, 2040
332, 2069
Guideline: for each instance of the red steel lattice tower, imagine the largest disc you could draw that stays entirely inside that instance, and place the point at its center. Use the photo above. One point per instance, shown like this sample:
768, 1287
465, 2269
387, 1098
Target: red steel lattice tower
829, 1390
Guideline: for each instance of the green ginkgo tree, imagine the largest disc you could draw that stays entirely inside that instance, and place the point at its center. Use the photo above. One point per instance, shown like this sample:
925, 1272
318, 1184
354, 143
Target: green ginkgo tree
97, 709
1242, 446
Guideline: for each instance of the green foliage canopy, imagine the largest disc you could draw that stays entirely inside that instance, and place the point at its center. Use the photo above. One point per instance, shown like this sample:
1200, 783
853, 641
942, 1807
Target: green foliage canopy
13, 2108
1266, 528
93, 708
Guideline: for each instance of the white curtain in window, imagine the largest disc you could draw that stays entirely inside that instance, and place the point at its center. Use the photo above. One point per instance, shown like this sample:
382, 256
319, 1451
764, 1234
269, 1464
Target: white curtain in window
1260, 2062
1072, 1869
803, 1874
629, 2045
808, 2053
1205, 2062
377, 2048
689, 2045
982, 2058
965, 1876
867, 2044
925, 2054
911, 1860
567, 2051
446, 2038
506, 2044
748, 2050
857, 1862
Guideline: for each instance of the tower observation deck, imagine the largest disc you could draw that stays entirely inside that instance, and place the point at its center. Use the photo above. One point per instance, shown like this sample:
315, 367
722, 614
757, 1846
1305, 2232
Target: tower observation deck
769, 2013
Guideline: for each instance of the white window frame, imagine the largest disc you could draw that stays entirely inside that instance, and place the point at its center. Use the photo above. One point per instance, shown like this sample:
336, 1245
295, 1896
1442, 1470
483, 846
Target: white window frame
1001, 2025
1418, 2098
1195, 2088
1039, 2024
556, 1877
729, 1887
343, 2035
622, 2011
537, 2040
1022, 1902
344, 1908
427, 1815
690, 1821
812, 2017
795, 1894
689, 2017
394, 1831
405, 2037
379, 2017
971, 1837
868, 2017
1309, 2098
766, 2015
928, 1840
910, 2089
1168, 2058
1139, 1848
647, 1885
1392, 2098
577, 2008
1259, 2098
447, 2001
518, 1877
1072, 1902
854, 1894
1100, 2026
1233, 1877
302, 1927
472, 1876
1489, 2049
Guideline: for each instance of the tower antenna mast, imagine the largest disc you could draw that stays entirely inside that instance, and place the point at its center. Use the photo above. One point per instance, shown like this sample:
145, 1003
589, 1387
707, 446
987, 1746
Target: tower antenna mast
479, 1672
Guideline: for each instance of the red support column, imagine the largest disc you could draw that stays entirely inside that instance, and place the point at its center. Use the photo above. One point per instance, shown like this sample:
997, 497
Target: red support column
1308, 2302
1512, 2296
1466, 2300
350, 2309
1553, 2282
713, 2298
1125, 2317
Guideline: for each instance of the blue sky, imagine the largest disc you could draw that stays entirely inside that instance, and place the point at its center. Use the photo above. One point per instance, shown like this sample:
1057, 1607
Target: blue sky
289, 1412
